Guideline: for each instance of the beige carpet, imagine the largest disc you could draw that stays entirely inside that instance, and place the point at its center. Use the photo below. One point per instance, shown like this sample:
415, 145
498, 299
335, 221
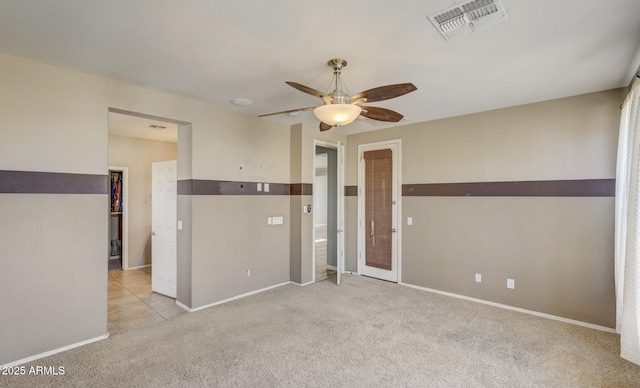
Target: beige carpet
364, 333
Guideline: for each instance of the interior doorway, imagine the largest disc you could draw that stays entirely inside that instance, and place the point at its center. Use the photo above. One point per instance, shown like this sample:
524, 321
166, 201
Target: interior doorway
136, 142
328, 211
325, 220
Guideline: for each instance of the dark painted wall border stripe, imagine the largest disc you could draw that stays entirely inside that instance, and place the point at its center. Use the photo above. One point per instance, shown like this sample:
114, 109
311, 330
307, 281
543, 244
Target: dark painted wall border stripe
301, 189
36, 182
215, 187
185, 187
559, 188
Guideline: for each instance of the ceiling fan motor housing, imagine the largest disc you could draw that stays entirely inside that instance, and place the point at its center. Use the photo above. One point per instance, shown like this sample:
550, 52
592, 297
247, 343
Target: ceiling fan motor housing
339, 97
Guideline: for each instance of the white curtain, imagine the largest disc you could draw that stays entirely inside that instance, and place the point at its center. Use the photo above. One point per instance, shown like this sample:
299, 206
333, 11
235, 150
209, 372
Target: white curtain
627, 228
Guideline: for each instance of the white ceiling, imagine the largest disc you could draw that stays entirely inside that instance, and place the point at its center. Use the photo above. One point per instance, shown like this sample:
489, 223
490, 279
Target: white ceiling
214, 50
140, 127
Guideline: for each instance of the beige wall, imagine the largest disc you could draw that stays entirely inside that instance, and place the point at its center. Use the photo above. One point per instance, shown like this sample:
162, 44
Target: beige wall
231, 235
56, 120
53, 277
138, 155
295, 206
558, 250
53, 245
569, 138
185, 214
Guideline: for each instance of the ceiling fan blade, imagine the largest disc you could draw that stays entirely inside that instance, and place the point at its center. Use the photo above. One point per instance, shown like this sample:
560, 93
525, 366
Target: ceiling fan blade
383, 92
288, 111
306, 89
324, 127
380, 114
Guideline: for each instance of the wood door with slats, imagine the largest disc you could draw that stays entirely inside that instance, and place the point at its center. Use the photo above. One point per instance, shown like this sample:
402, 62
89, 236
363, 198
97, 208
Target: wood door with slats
378, 208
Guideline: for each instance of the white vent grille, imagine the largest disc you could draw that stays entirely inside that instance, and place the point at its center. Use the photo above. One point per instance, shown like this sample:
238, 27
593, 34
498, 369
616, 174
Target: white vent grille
465, 18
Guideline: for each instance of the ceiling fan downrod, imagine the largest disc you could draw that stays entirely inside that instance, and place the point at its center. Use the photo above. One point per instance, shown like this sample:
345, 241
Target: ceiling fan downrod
340, 94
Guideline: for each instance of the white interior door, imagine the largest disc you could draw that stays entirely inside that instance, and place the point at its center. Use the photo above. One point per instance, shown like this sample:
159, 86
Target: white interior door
163, 228
378, 235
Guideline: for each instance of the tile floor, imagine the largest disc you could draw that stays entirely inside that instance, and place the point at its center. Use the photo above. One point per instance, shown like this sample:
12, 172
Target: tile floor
132, 305
322, 272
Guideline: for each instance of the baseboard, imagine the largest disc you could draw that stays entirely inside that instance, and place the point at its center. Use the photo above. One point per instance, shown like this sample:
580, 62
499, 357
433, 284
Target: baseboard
301, 285
238, 297
183, 306
139, 267
54, 351
518, 309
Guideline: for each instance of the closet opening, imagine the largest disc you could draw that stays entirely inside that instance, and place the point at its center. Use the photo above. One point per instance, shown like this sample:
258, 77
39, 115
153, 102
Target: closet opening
118, 252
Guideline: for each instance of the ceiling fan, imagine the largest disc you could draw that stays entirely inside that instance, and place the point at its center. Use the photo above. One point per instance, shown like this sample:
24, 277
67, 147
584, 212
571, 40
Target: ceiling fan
338, 108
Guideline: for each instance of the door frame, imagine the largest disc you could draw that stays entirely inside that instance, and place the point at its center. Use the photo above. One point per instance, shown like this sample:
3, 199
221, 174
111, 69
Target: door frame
397, 173
125, 213
339, 147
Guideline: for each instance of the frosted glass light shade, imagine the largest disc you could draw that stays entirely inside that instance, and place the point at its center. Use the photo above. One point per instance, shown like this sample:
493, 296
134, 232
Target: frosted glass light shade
337, 114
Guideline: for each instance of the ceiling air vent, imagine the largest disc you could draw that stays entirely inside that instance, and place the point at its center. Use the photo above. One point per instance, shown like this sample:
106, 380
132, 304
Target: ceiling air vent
465, 18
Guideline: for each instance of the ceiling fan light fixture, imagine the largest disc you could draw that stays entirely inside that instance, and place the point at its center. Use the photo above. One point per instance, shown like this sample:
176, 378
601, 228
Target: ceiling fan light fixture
337, 114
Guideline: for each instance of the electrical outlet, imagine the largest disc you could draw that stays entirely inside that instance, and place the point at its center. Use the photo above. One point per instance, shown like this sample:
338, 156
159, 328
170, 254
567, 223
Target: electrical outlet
511, 284
478, 278
247, 273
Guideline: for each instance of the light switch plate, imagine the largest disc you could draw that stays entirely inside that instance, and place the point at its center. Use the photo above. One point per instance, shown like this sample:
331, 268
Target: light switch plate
511, 284
409, 220
259, 187
179, 224
266, 187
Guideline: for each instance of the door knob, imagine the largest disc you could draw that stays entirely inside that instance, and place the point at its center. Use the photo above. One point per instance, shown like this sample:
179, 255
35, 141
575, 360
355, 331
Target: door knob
393, 230
153, 233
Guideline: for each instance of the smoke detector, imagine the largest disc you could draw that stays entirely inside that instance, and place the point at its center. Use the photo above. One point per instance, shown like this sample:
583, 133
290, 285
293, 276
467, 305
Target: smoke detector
467, 17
